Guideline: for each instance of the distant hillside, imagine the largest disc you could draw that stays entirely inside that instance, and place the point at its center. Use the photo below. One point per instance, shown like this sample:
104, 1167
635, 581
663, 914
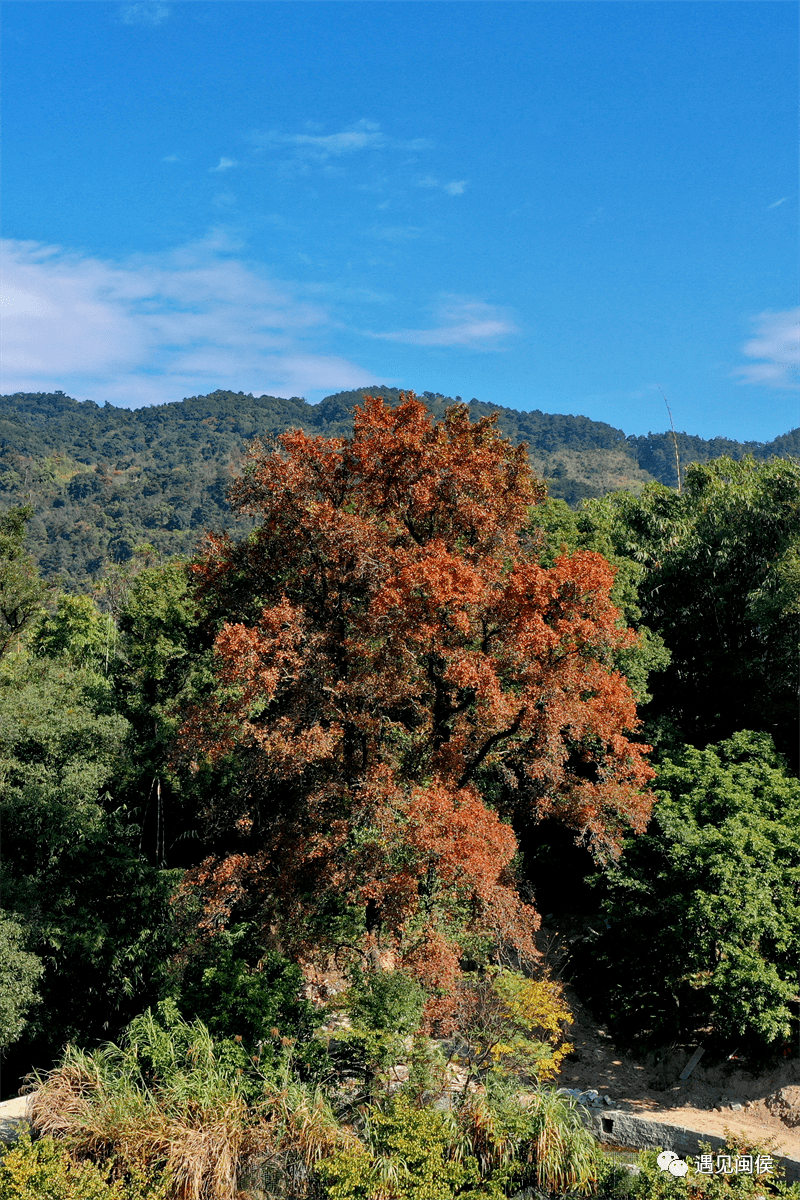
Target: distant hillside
104, 480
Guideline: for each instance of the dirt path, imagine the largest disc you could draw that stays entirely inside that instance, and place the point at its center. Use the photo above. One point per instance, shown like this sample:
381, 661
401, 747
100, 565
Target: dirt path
770, 1104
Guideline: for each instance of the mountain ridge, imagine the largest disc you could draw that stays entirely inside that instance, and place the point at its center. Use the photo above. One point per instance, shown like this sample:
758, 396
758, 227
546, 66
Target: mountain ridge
104, 479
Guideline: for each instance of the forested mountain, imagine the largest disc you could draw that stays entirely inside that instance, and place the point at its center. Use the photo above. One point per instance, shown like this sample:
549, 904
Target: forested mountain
104, 480
293, 829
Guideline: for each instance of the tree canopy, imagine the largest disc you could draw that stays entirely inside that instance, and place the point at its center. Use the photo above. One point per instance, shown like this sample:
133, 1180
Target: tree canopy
397, 676
721, 583
710, 902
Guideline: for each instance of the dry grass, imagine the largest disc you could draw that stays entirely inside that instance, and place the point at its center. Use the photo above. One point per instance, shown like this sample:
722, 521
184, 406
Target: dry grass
205, 1149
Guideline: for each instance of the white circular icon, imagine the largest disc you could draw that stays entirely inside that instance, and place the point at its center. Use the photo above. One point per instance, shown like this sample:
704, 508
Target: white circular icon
665, 1158
679, 1167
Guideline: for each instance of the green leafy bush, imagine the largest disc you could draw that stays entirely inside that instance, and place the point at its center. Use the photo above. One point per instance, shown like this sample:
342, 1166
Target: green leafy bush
383, 1011
409, 1154
386, 1001
45, 1170
20, 972
241, 992
702, 922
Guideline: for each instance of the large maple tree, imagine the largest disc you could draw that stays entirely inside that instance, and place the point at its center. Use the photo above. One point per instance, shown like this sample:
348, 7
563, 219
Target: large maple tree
397, 675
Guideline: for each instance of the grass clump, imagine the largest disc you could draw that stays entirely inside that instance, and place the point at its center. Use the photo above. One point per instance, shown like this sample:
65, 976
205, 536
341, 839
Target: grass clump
171, 1100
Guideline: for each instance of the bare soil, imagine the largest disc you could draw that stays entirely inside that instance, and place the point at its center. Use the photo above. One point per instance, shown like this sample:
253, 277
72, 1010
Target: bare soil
650, 1085
770, 1111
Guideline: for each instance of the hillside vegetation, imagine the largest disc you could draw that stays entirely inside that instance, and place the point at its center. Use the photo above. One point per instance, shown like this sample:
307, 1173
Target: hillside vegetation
102, 481
283, 817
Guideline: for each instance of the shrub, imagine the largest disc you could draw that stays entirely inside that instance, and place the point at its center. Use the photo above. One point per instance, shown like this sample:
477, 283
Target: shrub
408, 1154
505, 1023
238, 990
387, 1001
45, 1170
488, 1148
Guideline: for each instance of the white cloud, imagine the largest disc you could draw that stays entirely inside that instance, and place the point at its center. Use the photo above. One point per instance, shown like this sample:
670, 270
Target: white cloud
777, 203
460, 322
777, 347
332, 145
454, 188
395, 233
319, 147
170, 158
225, 164
156, 327
144, 12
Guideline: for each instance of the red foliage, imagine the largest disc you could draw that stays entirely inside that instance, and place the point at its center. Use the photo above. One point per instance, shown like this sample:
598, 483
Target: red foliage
391, 647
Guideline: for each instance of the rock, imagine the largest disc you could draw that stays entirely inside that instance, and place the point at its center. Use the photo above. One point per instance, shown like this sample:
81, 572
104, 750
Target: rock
785, 1103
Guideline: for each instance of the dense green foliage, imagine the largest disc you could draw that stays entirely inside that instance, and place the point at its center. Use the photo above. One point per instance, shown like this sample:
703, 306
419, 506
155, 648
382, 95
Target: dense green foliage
20, 972
21, 590
89, 904
104, 480
709, 900
720, 582
107, 813
242, 993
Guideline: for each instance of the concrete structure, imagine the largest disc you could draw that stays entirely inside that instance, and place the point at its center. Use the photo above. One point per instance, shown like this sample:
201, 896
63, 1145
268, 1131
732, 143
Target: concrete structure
643, 1133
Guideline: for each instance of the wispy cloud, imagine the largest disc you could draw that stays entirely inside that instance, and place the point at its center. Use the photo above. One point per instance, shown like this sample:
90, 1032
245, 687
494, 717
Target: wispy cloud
323, 147
144, 12
459, 322
170, 158
153, 328
395, 233
777, 203
225, 164
454, 188
776, 347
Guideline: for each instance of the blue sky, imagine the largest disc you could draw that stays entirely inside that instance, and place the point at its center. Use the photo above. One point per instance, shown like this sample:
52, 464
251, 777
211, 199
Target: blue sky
558, 205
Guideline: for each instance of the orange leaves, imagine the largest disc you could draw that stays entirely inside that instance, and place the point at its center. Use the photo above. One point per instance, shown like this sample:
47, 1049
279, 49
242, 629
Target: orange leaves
464, 842
389, 647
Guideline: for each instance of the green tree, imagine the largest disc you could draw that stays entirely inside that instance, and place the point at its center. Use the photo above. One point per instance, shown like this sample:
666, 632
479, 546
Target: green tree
721, 584
702, 914
20, 972
21, 589
77, 632
94, 911
162, 664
